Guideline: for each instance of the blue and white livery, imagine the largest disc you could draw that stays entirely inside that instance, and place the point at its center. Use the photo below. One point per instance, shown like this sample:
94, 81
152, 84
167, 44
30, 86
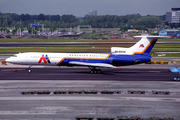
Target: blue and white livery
138, 53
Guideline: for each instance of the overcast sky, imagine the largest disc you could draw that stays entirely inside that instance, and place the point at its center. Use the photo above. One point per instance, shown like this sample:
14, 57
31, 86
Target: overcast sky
81, 7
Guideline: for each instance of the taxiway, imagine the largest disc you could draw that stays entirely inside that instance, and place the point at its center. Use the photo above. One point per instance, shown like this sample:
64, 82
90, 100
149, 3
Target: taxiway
15, 79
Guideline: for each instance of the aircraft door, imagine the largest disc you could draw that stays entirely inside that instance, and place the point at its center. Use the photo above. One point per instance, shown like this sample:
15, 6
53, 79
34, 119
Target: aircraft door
111, 59
26, 59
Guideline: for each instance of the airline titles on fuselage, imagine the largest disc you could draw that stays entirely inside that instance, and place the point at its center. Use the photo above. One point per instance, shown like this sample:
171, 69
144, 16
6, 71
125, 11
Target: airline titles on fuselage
74, 56
88, 55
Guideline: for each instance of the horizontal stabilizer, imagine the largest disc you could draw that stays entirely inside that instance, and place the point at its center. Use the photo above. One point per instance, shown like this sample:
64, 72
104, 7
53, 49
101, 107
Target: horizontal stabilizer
92, 64
150, 37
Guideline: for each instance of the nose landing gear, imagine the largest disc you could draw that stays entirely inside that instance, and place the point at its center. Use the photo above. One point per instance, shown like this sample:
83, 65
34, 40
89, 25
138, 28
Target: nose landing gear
29, 70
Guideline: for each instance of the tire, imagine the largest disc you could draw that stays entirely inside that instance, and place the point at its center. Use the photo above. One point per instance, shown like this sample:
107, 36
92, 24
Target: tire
99, 71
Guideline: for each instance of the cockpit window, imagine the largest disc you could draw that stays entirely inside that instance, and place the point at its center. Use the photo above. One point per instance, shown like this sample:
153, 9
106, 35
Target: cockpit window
15, 56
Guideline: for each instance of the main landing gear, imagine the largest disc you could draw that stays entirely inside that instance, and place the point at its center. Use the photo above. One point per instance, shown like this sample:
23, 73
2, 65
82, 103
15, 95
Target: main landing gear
95, 71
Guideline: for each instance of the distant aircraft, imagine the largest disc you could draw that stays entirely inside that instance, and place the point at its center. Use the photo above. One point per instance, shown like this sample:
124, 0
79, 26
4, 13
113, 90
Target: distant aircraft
138, 53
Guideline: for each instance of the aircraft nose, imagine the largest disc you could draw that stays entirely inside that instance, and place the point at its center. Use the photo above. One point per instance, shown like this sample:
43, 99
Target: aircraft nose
8, 60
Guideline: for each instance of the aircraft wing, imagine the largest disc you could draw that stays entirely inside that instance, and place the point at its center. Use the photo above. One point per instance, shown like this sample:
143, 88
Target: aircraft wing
93, 64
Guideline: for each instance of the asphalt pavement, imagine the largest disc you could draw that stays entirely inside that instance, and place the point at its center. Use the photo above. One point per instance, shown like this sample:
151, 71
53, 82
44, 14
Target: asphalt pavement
155, 93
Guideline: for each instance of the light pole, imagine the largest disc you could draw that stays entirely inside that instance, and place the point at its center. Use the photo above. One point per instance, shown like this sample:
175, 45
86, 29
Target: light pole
20, 27
6, 24
43, 27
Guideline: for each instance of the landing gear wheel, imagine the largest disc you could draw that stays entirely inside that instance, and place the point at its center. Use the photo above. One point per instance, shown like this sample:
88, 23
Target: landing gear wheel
95, 71
99, 71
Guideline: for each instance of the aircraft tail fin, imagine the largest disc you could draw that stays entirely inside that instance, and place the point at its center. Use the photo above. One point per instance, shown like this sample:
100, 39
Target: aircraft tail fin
144, 45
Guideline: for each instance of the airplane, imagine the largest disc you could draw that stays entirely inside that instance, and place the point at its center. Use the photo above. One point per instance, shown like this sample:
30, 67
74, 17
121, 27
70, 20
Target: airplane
119, 56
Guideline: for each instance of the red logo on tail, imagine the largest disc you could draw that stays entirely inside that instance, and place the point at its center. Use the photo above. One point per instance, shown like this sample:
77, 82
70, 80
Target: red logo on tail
141, 45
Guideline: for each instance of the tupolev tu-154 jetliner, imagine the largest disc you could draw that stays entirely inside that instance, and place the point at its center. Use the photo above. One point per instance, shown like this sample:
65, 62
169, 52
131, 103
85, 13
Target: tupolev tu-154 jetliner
138, 53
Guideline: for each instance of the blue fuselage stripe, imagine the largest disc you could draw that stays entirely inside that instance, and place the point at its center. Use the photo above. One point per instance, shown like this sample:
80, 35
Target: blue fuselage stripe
116, 60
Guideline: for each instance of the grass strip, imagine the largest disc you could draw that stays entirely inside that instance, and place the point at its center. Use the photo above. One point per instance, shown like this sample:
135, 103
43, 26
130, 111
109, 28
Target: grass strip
33, 40
166, 49
71, 49
165, 54
34, 49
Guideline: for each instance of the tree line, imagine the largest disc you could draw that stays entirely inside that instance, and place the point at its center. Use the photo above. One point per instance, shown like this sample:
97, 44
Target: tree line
69, 21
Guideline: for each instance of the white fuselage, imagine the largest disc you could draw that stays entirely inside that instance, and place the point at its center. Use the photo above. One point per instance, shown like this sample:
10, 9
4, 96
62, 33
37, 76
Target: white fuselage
52, 59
